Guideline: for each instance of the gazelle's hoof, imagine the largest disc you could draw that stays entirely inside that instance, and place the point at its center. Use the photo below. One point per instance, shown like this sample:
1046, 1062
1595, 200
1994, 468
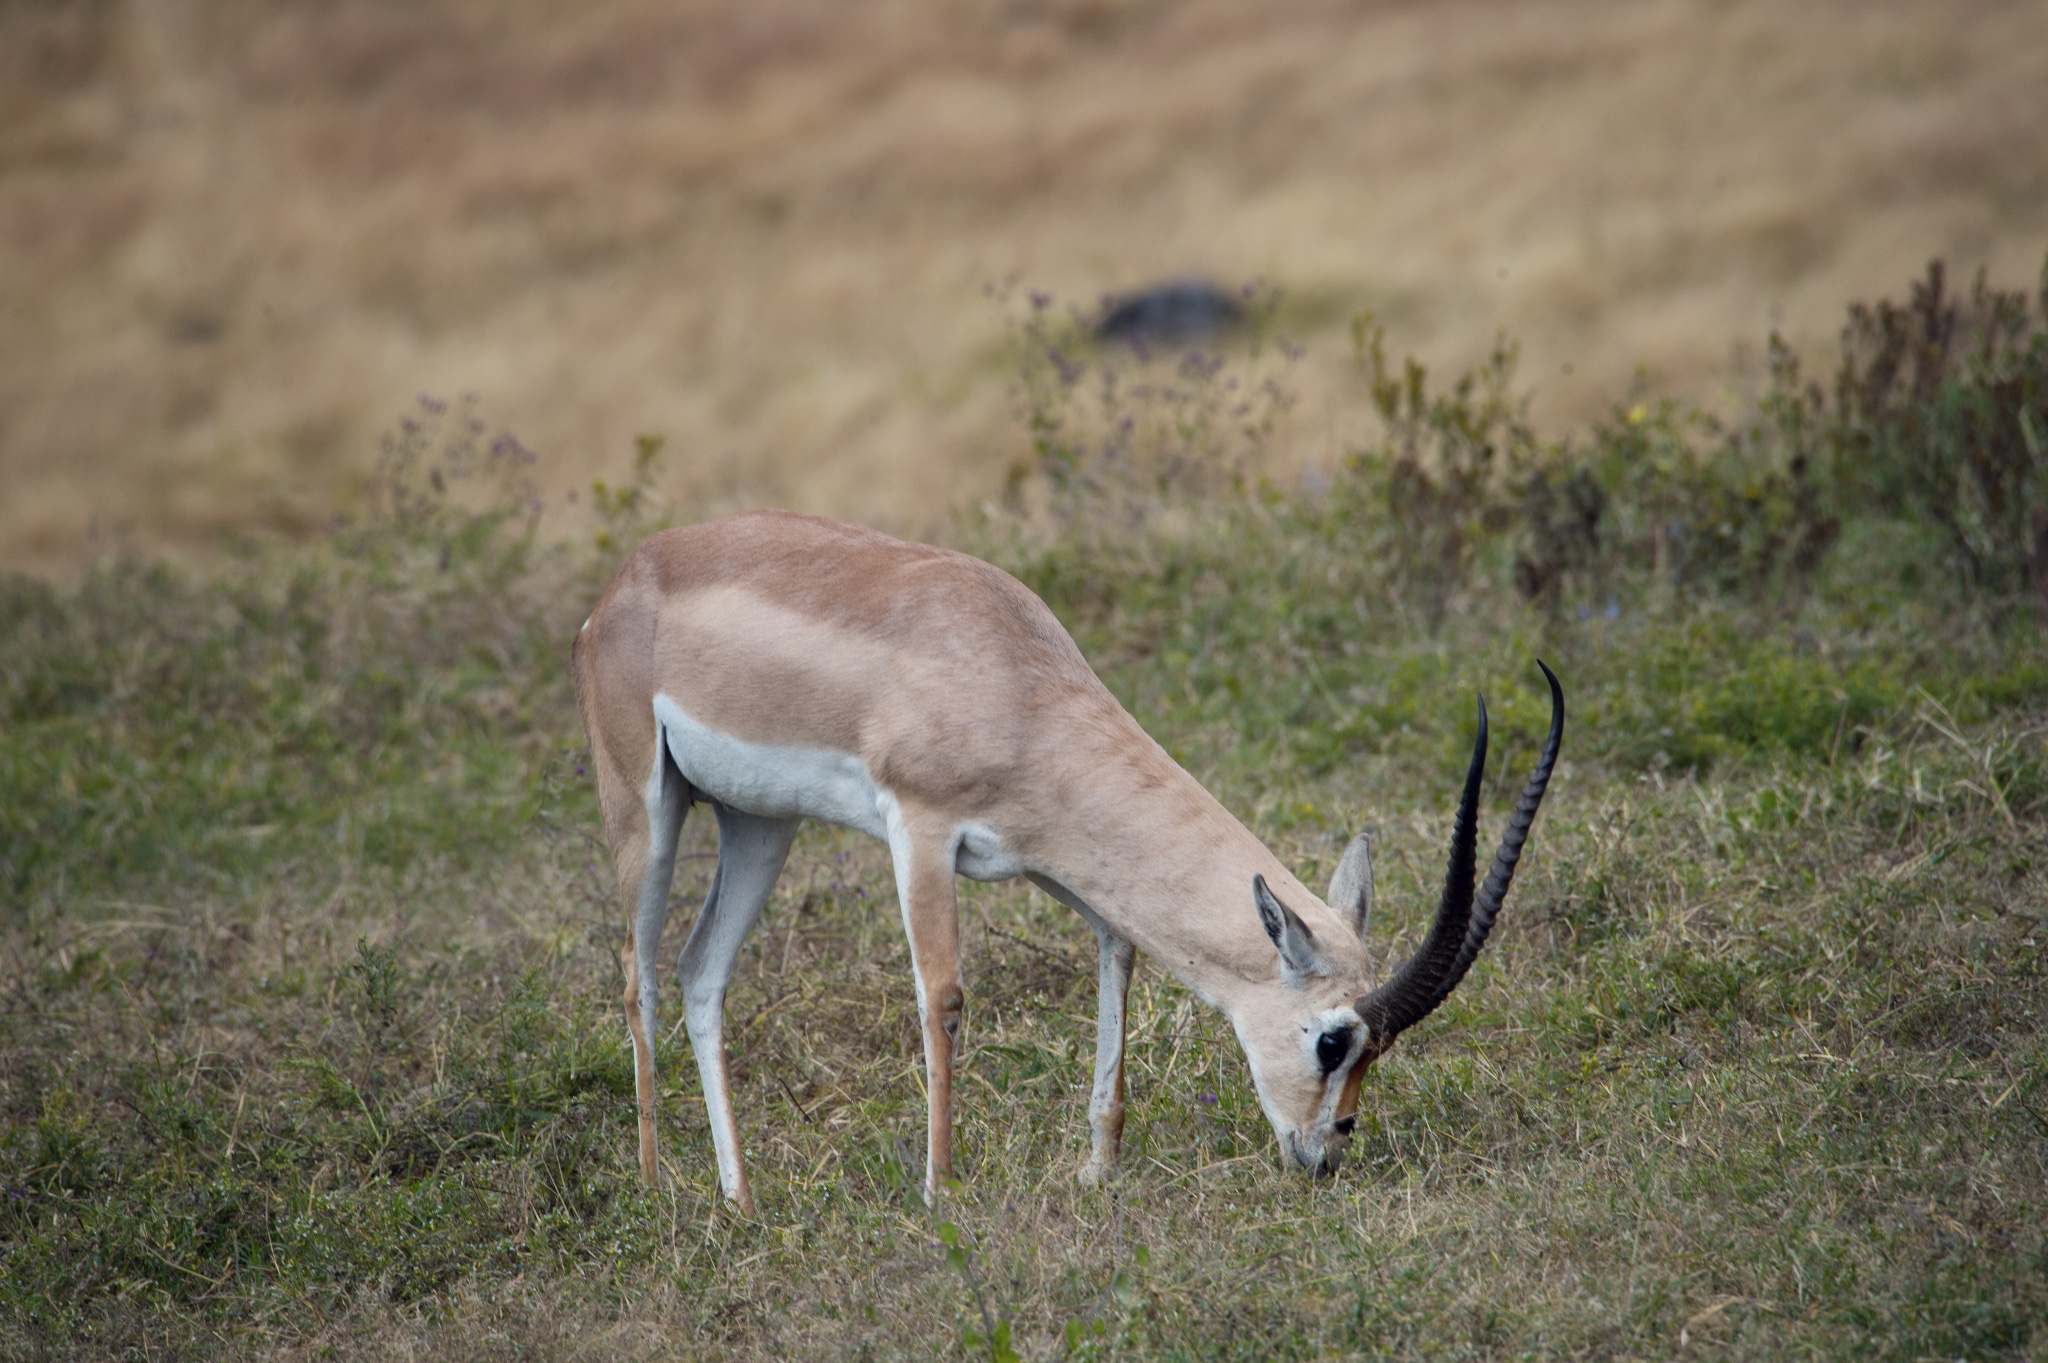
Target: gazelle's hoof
1095, 1173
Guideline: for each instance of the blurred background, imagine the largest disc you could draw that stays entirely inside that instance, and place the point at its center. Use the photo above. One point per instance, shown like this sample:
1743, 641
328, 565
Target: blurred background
237, 239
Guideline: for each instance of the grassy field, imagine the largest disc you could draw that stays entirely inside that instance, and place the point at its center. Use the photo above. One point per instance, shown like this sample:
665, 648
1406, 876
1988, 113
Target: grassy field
309, 1043
236, 238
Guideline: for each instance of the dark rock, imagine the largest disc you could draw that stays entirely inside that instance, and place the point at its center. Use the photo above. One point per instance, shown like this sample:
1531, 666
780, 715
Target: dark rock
1175, 313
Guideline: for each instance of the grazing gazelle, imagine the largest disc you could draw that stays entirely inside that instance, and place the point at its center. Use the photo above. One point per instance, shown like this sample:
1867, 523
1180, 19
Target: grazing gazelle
779, 667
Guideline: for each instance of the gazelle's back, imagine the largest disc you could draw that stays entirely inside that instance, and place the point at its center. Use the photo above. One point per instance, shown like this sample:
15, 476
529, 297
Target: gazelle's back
931, 667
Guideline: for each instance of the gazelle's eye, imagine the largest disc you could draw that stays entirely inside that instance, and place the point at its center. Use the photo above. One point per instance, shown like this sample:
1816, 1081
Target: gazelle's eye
1331, 1048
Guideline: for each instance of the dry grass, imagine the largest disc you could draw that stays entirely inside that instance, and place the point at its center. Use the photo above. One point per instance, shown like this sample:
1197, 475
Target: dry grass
1737, 1079
234, 239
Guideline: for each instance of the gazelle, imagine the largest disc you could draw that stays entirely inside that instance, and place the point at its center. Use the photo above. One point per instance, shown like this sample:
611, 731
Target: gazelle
781, 667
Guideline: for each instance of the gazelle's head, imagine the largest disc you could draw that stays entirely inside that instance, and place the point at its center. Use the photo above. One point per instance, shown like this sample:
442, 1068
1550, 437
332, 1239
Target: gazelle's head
1310, 1045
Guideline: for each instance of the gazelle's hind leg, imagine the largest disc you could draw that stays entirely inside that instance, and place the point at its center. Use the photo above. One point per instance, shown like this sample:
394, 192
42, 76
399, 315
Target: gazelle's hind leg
667, 801
751, 850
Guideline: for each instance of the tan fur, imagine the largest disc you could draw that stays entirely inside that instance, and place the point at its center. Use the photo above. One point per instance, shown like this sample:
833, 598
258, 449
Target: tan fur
966, 700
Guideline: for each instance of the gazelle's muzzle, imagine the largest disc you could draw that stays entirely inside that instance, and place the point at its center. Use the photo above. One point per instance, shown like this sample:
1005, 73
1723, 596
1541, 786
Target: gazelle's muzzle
1323, 1157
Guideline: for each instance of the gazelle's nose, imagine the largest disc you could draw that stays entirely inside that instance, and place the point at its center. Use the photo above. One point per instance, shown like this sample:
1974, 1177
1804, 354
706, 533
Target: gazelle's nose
1301, 1157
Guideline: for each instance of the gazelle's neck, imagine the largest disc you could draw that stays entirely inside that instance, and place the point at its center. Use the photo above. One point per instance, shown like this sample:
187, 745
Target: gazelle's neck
1168, 868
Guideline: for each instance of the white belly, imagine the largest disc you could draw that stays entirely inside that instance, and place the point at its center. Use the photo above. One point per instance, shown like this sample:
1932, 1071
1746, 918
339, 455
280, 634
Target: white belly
774, 782
809, 783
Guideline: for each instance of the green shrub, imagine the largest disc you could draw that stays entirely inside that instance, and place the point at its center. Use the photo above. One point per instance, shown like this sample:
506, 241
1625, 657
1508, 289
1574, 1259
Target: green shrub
1940, 415
1657, 501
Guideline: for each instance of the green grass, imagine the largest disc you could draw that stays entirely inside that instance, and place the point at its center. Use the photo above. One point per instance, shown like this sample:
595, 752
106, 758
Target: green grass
309, 1041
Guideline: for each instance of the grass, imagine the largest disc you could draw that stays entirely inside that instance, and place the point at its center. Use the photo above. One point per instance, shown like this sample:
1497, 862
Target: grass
309, 1041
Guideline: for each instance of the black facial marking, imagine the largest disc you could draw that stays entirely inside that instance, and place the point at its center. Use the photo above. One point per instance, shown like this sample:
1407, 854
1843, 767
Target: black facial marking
1345, 1124
1331, 1048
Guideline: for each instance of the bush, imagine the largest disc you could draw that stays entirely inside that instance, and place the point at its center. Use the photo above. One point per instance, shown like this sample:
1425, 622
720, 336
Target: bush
1120, 433
1941, 415
1938, 421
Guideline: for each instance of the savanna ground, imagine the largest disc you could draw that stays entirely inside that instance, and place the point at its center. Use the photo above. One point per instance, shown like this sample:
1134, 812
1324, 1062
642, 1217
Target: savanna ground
309, 1034
236, 238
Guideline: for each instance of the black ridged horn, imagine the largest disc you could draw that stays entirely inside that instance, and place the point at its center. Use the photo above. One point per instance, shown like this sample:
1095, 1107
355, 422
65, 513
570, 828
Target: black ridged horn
1430, 975
1406, 999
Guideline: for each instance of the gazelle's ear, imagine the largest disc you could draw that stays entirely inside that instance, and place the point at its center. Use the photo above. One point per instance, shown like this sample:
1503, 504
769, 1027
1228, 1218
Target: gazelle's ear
1291, 937
1351, 885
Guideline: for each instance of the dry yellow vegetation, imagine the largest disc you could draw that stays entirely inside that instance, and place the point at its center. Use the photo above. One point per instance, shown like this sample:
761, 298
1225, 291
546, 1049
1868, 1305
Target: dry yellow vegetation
236, 238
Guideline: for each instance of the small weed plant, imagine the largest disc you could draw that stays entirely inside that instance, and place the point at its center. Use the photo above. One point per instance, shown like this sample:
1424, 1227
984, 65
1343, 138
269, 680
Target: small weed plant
309, 1033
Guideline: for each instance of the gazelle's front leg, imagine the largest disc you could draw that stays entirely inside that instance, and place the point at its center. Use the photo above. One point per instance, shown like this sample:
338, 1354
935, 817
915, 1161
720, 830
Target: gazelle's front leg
1114, 959
751, 851
923, 854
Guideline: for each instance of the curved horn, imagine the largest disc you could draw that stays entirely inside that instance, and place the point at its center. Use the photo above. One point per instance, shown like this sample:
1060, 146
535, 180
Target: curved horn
1389, 1016
1406, 999
1495, 891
